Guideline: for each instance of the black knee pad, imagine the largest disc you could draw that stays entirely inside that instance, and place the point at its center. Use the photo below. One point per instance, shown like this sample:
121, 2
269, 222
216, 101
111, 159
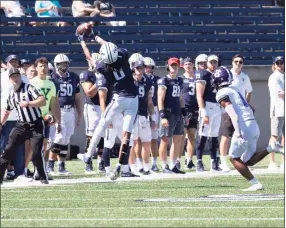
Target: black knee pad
64, 151
87, 142
56, 148
100, 145
124, 152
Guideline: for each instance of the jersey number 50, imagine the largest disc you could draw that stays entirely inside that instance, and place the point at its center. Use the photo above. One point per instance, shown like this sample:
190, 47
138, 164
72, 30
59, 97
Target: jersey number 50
66, 90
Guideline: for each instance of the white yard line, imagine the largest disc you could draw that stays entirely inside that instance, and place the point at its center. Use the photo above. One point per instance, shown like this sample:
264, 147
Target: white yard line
152, 177
105, 190
140, 208
144, 219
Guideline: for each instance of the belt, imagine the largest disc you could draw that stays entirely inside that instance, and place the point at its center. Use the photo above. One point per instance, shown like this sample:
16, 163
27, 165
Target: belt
67, 107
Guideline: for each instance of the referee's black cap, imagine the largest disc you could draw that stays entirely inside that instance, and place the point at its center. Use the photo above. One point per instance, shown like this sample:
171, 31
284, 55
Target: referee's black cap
13, 71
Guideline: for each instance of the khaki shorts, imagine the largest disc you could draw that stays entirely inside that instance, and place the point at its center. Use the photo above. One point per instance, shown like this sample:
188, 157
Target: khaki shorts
277, 126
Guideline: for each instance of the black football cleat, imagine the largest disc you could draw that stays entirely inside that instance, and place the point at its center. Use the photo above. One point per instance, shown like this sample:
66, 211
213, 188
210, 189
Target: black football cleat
129, 174
177, 171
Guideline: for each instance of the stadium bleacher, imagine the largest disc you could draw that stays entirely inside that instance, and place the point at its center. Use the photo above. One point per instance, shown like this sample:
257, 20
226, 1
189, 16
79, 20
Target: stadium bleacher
160, 29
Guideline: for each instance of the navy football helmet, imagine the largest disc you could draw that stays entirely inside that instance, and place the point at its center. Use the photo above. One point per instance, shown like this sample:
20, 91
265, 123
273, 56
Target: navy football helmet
221, 77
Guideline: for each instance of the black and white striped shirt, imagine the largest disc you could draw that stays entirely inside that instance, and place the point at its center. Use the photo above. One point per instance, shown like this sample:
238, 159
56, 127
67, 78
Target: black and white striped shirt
25, 92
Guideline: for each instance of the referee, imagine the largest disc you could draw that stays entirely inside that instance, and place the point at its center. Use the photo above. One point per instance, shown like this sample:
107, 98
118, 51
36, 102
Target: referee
26, 99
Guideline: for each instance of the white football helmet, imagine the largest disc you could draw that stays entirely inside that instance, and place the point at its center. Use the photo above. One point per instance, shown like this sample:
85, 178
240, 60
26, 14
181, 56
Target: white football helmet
108, 52
149, 62
61, 58
134, 58
200, 58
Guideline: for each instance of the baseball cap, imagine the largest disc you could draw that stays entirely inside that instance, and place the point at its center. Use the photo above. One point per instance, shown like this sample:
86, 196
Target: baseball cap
173, 60
13, 71
11, 57
212, 57
24, 61
138, 64
278, 58
187, 60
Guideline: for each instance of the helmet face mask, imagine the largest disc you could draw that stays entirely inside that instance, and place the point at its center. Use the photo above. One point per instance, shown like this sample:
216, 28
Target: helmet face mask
134, 58
61, 62
202, 58
62, 67
108, 53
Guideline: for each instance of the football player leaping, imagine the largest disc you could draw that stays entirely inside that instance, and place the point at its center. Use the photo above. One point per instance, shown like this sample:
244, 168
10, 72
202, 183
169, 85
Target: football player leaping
115, 68
246, 131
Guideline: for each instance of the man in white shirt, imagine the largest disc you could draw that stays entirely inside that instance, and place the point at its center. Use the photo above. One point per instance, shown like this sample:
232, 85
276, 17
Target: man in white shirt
6, 88
276, 85
242, 83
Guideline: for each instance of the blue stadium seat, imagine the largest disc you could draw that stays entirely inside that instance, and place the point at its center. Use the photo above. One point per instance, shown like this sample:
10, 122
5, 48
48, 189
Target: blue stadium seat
160, 29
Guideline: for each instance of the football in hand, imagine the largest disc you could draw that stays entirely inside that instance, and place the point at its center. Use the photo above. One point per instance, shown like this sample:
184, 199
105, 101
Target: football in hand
84, 29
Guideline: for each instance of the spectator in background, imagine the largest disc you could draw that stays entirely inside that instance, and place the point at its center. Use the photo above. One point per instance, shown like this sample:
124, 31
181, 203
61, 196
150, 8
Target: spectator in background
12, 8
31, 72
3, 66
106, 9
50, 9
24, 65
83, 9
276, 84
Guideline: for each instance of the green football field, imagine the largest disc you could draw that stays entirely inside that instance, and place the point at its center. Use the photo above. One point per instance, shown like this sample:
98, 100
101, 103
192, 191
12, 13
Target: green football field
207, 201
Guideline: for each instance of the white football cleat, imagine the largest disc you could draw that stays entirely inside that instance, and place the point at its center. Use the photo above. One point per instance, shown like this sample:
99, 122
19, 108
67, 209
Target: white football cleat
253, 188
282, 168
273, 166
23, 179
276, 148
225, 168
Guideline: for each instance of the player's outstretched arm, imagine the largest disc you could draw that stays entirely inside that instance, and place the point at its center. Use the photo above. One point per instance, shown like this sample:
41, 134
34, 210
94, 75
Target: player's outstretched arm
86, 50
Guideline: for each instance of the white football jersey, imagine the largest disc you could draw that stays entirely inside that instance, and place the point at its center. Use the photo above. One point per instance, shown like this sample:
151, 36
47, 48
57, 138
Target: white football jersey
241, 107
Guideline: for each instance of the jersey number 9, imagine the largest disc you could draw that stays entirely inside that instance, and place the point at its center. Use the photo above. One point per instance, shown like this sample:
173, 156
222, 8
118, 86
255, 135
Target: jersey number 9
141, 91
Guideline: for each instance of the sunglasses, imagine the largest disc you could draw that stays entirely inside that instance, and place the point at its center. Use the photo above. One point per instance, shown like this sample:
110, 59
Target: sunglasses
279, 63
202, 63
140, 68
240, 62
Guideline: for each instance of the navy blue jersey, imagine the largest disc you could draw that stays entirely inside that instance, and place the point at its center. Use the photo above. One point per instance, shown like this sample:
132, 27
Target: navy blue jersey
103, 84
210, 90
173, 87
144, 87
119, 75
89, 76
67, 87
189, 93
155, 88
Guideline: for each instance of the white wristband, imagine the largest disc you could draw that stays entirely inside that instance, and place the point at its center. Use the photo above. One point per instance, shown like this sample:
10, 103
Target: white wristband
203, 112
153, 117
